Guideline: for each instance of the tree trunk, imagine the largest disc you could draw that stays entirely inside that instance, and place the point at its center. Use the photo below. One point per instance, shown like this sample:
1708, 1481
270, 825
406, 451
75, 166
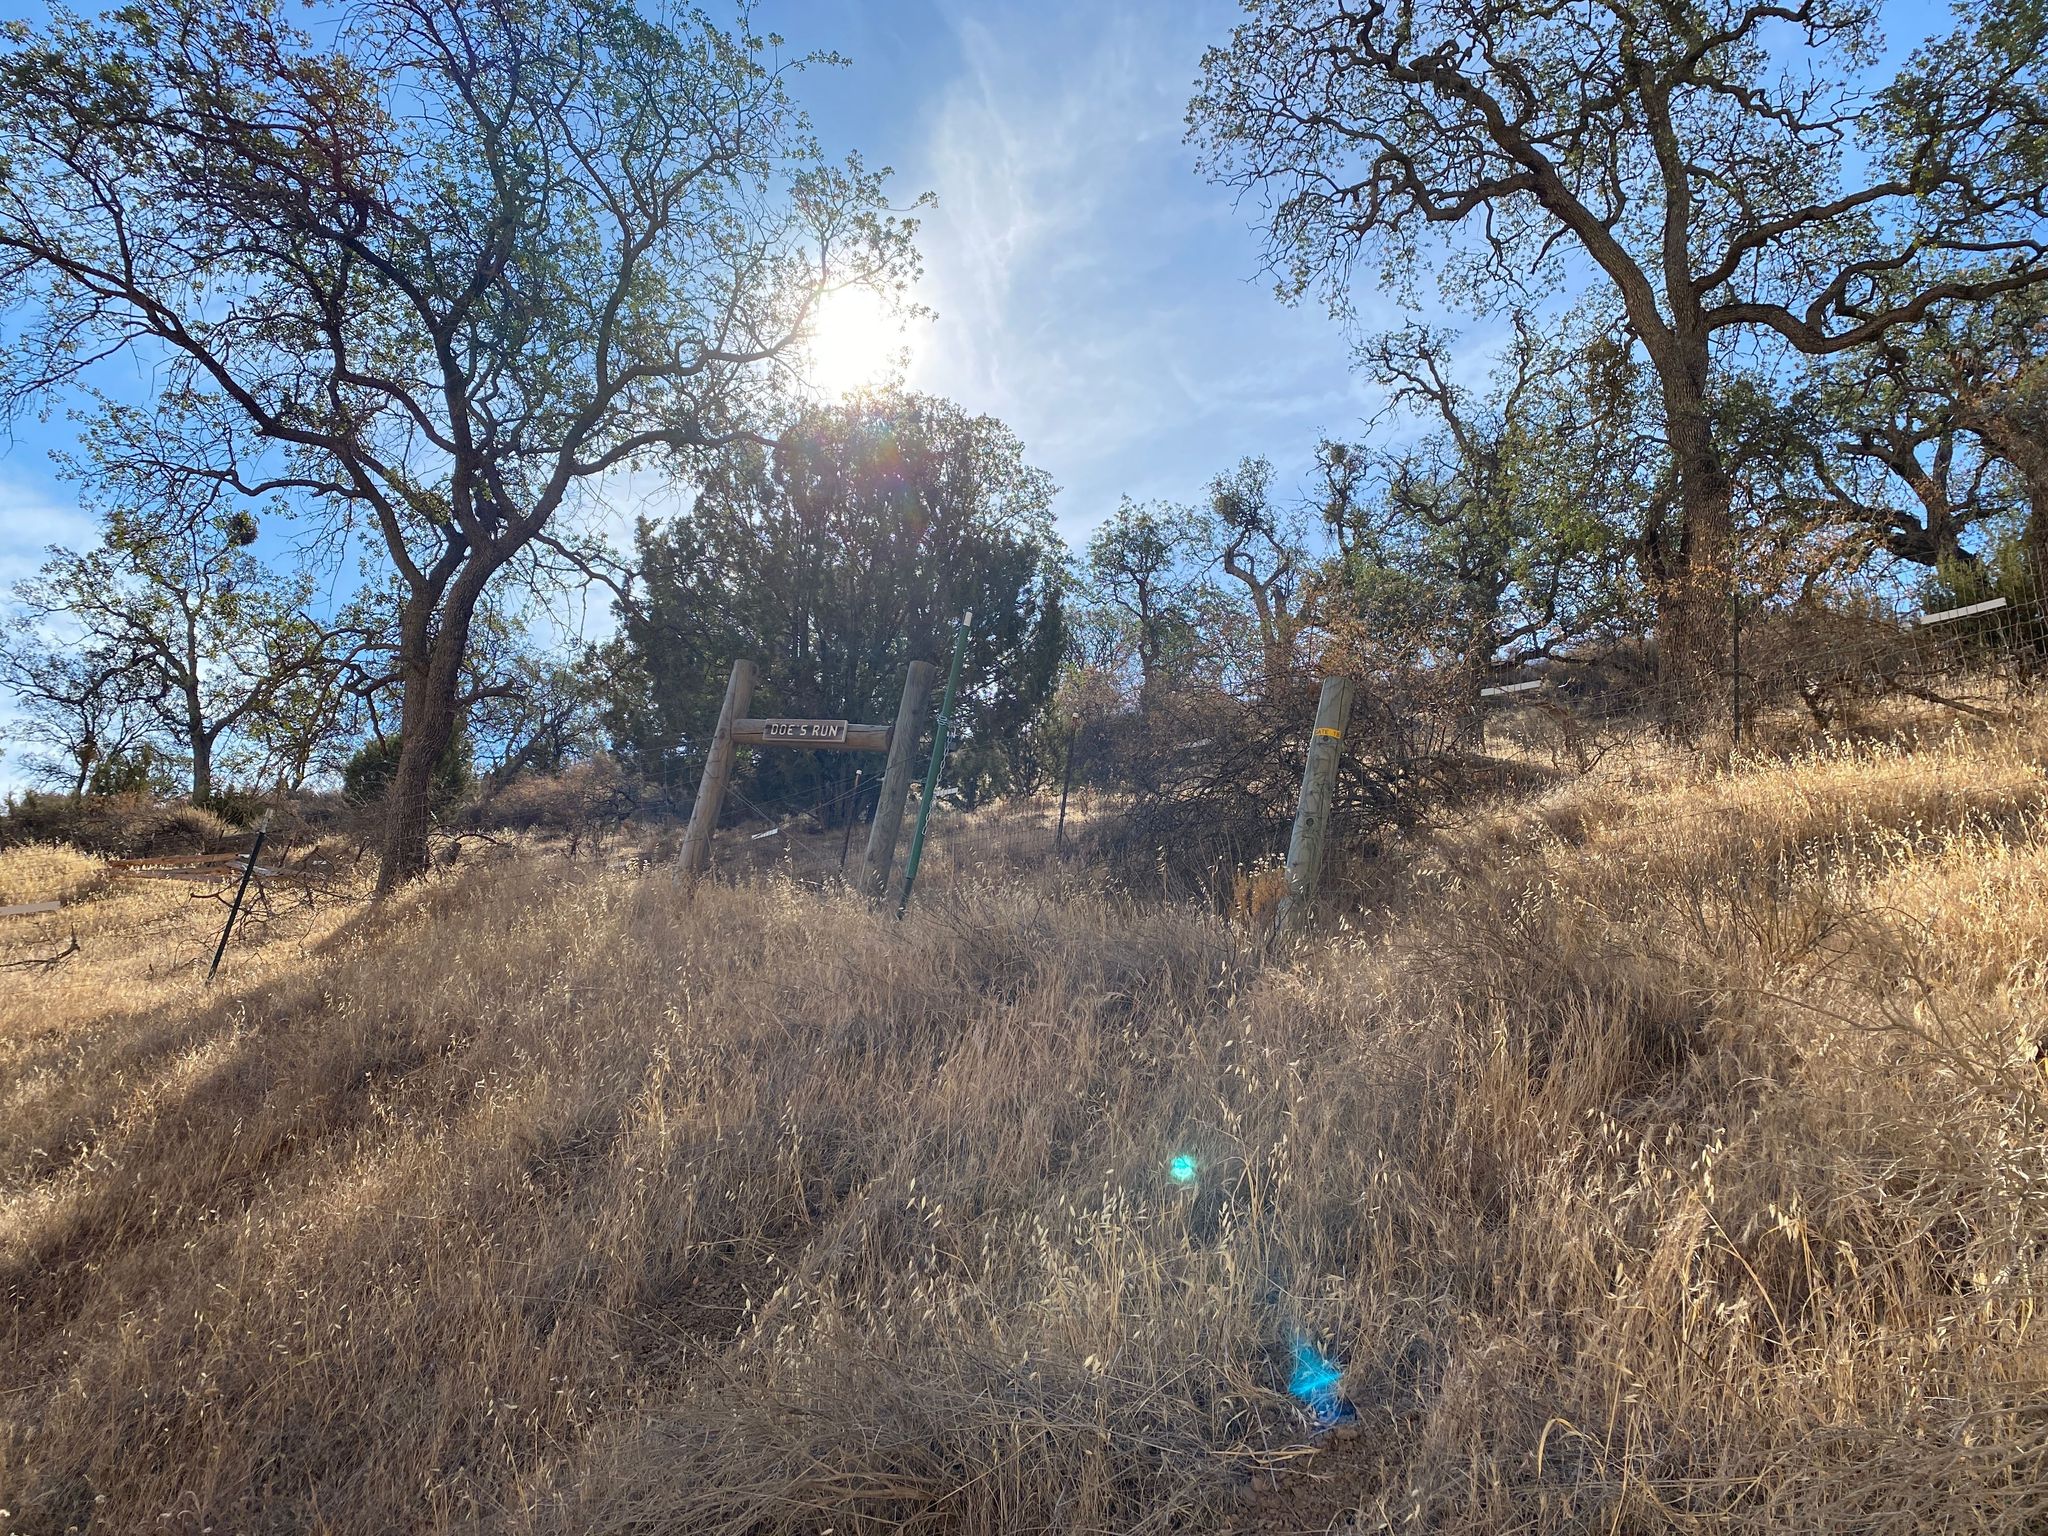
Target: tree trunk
1693, 580
1692, 605
202, 767
431, 661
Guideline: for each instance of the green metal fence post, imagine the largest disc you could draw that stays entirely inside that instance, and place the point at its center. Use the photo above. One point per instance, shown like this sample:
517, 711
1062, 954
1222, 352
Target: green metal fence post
931, 777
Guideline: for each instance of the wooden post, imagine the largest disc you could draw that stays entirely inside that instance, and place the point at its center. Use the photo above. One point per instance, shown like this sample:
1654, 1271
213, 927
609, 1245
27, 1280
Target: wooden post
895, 790
1059, 834
1312, 811
739, 692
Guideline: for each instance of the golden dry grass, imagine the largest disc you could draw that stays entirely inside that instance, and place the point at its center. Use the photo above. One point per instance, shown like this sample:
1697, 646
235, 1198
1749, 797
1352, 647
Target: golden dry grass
1662, 1153
47, 872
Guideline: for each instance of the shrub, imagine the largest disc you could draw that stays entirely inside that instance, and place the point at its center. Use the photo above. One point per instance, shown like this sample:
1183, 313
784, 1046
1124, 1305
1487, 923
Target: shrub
585, 799
140, 770
367, 776
114, 826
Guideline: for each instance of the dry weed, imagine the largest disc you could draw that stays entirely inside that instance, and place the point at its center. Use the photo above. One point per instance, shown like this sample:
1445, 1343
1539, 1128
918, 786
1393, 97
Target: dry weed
1653, 1155
47, 872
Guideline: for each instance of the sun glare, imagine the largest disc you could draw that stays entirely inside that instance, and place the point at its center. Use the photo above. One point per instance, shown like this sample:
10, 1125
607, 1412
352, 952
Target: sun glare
858, 339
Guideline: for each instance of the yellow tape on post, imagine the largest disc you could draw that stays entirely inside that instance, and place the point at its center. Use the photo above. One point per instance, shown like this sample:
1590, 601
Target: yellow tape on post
1334, 735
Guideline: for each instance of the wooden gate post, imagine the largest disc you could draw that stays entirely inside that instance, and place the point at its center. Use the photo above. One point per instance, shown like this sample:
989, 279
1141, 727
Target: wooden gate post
888, 822
739, 692
1312, 811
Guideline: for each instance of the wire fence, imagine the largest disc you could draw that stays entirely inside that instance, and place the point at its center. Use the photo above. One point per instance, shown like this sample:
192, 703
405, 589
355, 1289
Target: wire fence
1193, 795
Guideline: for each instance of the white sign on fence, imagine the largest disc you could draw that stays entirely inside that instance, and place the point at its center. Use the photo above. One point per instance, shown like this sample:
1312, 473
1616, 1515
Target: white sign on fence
1973, 609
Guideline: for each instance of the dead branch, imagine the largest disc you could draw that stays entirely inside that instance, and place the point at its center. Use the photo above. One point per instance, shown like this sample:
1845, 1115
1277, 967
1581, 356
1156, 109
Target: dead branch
47, 962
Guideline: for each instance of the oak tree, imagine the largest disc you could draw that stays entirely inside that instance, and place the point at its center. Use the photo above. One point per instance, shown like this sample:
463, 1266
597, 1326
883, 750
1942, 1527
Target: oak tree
437, 272
1662, 148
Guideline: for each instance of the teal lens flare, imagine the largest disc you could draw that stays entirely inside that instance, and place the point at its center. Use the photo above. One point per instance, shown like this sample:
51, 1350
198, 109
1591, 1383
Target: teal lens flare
1315, 1380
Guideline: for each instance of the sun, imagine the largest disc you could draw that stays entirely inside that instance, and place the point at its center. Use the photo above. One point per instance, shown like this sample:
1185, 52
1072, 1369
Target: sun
858, 340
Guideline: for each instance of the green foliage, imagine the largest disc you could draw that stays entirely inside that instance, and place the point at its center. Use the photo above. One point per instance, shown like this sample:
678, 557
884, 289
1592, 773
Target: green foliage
1502, 531
832, 561
367, 775
1148, 595
138, 770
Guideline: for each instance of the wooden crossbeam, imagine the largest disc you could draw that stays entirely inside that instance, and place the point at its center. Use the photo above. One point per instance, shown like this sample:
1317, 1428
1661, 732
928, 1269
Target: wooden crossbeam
1970, 610
817, 735
213, 873
177, 861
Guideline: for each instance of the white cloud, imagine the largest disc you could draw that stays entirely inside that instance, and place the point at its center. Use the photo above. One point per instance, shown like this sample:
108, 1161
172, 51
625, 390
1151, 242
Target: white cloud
31, 520
1092, 290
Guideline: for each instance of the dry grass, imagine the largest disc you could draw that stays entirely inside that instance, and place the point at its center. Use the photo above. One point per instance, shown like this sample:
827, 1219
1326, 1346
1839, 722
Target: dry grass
1664, 1153
47, 872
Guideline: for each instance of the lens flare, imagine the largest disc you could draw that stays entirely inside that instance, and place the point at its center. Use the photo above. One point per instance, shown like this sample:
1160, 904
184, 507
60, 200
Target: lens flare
1314, 1382
1182, 1169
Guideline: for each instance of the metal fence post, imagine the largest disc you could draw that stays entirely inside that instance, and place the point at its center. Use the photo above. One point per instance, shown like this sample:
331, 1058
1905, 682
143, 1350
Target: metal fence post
241, 890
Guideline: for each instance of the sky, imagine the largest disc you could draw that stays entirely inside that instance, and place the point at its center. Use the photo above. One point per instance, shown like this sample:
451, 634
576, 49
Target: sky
1090, 288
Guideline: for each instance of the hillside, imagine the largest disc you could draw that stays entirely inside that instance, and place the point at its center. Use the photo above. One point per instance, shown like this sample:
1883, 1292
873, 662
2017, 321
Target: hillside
1661, 1150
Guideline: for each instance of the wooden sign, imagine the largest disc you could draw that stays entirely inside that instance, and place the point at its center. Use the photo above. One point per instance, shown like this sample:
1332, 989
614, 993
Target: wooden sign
802, 733
829, 735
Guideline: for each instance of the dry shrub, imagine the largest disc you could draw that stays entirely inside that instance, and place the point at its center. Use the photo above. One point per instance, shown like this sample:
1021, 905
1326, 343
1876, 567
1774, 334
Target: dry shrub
1658, 1159
1211, 779
115, 826
583, 802
1256, 894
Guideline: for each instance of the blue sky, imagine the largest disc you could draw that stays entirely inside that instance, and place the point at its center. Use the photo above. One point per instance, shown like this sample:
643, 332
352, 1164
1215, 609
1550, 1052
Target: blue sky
1091, 289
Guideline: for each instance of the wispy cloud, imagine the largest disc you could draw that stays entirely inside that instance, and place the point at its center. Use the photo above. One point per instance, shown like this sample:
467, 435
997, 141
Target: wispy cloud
1091, 289
31, 520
